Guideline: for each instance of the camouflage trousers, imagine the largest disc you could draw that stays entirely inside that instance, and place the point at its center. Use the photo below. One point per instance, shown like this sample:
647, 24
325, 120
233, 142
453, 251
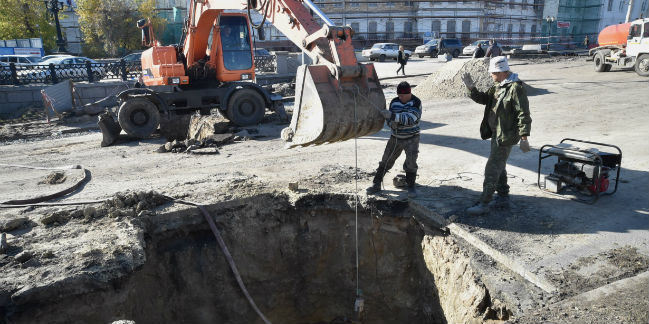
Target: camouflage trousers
393, 150
495, 175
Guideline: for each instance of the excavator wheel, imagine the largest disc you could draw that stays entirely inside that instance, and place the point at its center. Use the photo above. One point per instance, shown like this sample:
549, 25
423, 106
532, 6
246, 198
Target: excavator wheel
246, 107
138, 117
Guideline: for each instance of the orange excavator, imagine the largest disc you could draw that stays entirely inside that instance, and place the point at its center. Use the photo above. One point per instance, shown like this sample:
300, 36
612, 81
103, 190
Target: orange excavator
336, 98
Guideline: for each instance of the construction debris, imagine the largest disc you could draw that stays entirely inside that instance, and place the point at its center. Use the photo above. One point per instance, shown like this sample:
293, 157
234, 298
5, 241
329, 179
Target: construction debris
56, 177
202, 127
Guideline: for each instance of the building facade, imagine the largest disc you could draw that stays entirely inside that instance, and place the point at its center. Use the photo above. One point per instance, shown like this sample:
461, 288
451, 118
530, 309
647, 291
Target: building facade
510, 22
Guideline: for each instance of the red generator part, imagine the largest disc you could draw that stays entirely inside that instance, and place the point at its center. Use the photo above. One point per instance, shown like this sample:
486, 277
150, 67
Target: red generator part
603, 185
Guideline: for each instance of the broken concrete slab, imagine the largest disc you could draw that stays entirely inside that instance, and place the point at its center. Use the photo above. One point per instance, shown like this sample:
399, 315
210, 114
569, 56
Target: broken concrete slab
8, 225
202, 127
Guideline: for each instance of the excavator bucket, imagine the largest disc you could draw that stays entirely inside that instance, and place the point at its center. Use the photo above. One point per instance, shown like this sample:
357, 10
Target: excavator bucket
331, 110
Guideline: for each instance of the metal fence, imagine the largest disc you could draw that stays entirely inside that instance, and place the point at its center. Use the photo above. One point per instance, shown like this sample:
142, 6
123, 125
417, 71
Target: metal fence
53, 73
16, 74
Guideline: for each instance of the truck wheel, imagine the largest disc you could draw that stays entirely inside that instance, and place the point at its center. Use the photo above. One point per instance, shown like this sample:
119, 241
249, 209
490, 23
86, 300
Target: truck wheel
246, 107
456, 53
138, 117
600, 65
382, 58
642, 65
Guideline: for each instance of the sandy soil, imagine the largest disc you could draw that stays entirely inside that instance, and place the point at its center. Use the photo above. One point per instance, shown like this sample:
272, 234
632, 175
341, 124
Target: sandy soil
575, 247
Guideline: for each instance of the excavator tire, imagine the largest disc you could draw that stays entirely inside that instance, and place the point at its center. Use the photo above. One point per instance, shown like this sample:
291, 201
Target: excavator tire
246, 107
138, 117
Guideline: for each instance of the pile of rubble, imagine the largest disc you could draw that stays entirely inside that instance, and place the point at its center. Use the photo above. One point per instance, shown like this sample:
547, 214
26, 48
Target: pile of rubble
447, 83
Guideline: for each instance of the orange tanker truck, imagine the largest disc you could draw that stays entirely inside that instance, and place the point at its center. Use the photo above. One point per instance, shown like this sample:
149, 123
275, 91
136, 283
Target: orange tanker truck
623, 45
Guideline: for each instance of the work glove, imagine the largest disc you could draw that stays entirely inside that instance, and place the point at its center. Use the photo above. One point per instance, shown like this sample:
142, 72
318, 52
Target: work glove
386, 114
468, 81
524, 146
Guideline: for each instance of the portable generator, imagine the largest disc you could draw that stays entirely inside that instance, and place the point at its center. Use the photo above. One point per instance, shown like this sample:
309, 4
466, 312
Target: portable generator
583, 170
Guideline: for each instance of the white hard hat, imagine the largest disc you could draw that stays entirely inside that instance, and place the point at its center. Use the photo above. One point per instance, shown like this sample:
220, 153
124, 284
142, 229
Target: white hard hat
498, 64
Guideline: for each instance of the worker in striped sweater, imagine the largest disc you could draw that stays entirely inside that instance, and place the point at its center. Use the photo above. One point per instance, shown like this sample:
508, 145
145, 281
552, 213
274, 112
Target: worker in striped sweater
403, 118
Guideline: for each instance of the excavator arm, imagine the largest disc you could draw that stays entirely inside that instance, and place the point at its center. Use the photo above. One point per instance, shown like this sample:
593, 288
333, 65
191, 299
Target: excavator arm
336, 97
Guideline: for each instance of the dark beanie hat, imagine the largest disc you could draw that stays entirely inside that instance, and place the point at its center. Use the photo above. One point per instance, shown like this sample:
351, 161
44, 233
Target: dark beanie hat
403, 88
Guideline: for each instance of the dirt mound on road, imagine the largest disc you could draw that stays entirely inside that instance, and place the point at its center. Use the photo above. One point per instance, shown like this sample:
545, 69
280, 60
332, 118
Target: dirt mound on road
447, 83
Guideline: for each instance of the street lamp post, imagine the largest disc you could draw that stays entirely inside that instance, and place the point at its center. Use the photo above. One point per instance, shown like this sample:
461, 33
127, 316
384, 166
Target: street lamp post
550, 20
54, 7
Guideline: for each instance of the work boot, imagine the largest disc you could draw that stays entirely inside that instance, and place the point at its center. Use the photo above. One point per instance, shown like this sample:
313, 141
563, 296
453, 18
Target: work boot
500, 201
478, 209
410, 180
376, 183
376, 187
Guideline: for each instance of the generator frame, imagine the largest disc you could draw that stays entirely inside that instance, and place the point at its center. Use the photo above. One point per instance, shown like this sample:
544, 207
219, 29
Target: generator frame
573, 154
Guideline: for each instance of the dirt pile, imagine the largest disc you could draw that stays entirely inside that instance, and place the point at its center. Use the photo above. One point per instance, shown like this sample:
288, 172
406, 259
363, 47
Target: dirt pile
447, 83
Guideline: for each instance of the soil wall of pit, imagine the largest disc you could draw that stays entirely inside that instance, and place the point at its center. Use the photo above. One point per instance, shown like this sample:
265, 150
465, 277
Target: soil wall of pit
298, 262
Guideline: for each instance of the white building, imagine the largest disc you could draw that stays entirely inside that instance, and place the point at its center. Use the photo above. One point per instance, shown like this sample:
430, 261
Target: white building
513, 21
615, 11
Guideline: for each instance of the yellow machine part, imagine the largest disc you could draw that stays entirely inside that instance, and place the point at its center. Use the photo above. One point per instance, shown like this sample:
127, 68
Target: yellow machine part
330, 110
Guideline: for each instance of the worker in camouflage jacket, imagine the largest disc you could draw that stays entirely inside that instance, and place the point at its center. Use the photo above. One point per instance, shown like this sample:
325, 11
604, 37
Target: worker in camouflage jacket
506, 121
403, 118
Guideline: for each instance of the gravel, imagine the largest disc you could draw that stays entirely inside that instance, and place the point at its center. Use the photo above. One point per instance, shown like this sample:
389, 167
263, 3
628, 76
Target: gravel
447, 83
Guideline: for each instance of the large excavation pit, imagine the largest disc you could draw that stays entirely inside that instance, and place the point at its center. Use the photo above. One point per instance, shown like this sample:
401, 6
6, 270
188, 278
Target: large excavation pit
298, 262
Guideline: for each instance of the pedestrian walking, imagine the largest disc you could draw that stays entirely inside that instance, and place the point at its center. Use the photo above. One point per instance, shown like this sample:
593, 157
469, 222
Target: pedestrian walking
402, 60
479, 52
506, 121
586, 41
494, 50
403, 118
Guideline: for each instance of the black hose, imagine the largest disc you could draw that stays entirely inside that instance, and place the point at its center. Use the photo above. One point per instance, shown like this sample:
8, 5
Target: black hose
263, 20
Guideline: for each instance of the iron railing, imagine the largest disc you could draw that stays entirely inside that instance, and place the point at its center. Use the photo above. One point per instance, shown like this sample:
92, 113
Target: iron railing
15, 74
53, 73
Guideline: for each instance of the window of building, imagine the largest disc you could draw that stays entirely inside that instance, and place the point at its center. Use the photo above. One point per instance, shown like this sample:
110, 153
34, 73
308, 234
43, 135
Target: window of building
354, 4
511, 4
372, 4
510, 28
533, 31
407, 29
389, 4
371, 30
466, 29
436, 28
389, 29
522, 30
621, 6
644, 6
450, 29
610, 5
338, 3
356, 27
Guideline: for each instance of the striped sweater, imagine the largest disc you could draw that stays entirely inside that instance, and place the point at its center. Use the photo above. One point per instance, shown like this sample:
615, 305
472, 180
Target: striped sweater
405, 117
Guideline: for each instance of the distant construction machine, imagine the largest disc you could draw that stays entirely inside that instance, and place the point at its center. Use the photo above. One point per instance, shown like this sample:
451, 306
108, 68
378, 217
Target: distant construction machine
623, 45
336, 98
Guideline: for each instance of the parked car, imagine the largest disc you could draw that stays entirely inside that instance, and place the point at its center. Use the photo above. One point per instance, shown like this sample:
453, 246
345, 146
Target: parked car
5, 73
382, 51
469, 50
47, 57
133, 57
19, 59
67, 67
435, 47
